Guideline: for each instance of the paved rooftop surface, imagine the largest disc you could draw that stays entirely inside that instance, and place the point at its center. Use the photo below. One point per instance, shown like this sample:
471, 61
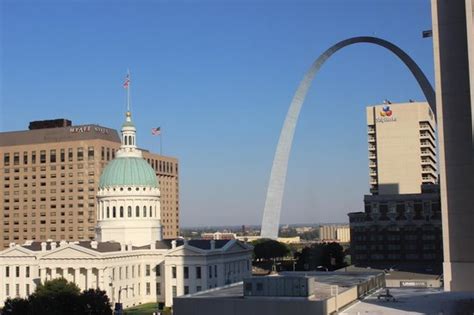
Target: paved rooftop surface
324, 280
410, 301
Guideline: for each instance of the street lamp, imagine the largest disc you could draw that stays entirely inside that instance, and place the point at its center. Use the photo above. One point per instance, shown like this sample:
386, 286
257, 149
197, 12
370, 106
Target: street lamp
118, 306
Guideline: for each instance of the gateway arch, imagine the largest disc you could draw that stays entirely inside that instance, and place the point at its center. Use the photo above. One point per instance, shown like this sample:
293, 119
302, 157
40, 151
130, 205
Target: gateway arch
276, 186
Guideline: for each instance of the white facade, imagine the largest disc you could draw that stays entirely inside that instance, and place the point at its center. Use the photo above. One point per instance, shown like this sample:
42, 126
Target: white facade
128, 215
142, 275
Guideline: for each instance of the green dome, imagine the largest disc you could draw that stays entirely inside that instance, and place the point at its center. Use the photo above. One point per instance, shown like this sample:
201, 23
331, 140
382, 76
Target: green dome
128, 171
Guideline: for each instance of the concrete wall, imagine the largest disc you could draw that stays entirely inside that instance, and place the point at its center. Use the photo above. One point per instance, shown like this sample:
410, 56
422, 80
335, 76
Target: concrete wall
451, 45
247, 306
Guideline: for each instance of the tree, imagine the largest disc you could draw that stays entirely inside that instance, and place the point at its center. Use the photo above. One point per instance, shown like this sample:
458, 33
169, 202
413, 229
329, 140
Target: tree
60, 297
95, 302
268, 249
17, 306
330, 256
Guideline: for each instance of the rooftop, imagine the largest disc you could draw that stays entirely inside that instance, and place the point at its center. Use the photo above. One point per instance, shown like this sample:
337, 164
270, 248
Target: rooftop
414, 301
323, 281
105, 247
62, 134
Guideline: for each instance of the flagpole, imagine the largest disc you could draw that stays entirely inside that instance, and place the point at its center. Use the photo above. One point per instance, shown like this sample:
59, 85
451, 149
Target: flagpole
128, 91
161, 142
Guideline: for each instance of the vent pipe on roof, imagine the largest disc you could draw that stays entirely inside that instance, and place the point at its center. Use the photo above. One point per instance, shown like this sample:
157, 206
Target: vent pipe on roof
53, 245
43, 246
94, 244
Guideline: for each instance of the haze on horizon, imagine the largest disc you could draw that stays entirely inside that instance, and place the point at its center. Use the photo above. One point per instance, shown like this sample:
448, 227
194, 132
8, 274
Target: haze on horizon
218, 78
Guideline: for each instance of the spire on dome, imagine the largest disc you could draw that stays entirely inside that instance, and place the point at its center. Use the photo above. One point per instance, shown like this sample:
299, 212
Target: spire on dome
129, 145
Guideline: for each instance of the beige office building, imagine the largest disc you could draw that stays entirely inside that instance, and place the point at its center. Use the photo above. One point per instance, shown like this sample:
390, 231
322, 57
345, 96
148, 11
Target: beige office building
333, 232
49, 177
402, 147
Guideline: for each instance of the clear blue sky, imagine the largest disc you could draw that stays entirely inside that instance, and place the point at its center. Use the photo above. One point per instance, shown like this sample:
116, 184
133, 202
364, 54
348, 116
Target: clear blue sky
218, 77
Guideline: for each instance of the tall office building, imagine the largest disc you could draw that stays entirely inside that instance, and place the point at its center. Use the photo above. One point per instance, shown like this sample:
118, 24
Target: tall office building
402, 148
401, 223
49, 177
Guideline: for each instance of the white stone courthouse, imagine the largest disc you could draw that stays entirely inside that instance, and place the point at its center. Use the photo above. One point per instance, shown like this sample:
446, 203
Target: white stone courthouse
128, 259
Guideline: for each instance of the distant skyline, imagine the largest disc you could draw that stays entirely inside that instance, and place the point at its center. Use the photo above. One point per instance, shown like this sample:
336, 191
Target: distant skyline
218, 77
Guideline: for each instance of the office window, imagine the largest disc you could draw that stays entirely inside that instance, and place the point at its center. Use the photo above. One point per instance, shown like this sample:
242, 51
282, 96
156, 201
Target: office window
147, 270
90, 153
215, 271
27, 289
7, 271
186, 289
16, 158
198, 272
42, 156
69, 155
158, 288
129, 211
6, 159
7, 289
186, 272
198, 288
52, 156
158, 270
62, 155
121, 211
173, 272
210, 271
175, 291
148, 290
25, 157
80, 154
17, 271
33, 157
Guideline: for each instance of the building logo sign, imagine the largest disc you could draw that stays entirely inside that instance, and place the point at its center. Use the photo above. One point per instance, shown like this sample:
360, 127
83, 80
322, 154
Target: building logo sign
83, 129
414, 284
386, 111
386, 115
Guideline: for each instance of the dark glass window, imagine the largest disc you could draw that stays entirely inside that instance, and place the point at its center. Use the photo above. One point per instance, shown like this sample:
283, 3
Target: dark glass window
42, 156
80, 154
63, 155
6, 159
52, 156
90, 153
16, 158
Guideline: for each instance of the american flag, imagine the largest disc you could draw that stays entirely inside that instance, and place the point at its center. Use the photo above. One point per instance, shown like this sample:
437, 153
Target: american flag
127, 81
156, 131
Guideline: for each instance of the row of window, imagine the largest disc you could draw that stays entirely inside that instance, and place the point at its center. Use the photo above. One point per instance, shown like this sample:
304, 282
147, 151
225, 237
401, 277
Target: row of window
123, 272
17, 272
113, 214
31, 157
